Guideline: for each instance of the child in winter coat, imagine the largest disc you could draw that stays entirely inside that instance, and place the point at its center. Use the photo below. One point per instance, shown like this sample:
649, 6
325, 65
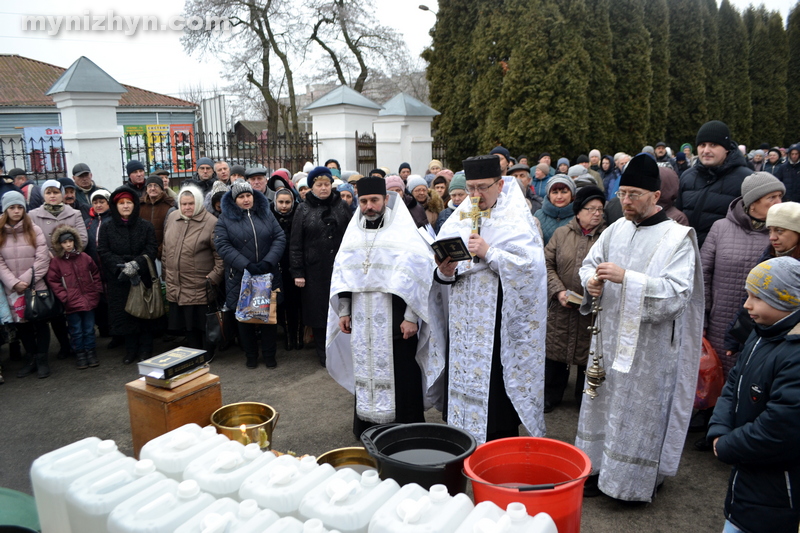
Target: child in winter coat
75, 280
754, 426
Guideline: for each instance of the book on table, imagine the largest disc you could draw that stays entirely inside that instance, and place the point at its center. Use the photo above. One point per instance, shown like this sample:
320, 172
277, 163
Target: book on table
176, 361
178, 380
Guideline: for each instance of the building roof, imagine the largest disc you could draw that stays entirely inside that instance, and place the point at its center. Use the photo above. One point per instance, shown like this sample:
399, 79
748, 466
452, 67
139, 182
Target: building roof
343, 95
83, 76
254, 126
407, 106
25, 82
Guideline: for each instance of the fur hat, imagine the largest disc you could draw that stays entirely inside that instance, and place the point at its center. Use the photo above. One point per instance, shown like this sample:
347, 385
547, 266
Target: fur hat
759, 184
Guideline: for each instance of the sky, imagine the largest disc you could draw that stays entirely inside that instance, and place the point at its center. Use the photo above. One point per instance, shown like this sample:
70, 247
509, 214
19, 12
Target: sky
155, 60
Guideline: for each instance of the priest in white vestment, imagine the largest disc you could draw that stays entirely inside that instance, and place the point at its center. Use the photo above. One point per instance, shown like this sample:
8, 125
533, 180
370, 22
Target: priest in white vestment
379, 337
646, 271
497, 310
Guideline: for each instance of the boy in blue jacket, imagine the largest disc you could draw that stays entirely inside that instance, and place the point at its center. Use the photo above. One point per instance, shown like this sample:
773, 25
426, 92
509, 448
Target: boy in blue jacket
755, 423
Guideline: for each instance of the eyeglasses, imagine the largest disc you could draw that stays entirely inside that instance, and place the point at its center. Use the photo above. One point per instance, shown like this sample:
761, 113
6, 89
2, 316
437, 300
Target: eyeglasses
593, 210
632, 195
481, 188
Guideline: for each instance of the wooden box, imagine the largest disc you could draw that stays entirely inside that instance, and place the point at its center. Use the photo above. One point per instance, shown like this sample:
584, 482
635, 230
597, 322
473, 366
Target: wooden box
155, 411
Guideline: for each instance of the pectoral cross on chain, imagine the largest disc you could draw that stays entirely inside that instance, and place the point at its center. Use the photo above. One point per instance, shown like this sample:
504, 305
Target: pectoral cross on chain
366, 265
475, 214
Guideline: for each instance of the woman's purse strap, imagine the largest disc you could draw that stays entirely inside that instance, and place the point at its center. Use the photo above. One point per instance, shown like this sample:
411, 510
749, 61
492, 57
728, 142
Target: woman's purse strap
151, 267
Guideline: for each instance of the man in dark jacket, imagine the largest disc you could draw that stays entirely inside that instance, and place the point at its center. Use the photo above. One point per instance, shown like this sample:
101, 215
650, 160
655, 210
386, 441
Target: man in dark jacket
205, 176
789, 174
709, 187
29, 189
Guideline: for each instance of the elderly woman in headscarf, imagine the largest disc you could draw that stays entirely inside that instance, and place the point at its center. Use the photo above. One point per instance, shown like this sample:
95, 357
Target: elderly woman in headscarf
317, 231
283, 208
194, 270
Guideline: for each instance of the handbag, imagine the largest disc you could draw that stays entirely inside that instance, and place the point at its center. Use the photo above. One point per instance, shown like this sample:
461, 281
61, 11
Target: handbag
146, 302
710, 378
253, 306
214, 318
40, 305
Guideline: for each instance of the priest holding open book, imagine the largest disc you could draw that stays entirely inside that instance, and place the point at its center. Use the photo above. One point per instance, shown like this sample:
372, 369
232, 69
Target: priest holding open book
497, 309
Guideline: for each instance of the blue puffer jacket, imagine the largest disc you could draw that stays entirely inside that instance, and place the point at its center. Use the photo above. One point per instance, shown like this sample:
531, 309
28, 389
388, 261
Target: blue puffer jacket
552, 218
789, 174
706, 192
244, 236
756, 422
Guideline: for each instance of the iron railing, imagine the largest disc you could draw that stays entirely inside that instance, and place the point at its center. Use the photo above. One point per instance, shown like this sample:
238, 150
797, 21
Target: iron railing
42, 159
366, 153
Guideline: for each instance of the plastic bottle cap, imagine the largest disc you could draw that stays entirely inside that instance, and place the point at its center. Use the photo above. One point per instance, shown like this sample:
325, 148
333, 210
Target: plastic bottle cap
307, 463
517, 511
314, 525
439, 493
248, 509
370, 478
208, 432
188, 489
107, 446
144, 467
252, 451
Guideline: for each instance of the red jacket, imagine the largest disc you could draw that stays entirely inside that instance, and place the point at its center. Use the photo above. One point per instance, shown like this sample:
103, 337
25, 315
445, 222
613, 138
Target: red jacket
74, 277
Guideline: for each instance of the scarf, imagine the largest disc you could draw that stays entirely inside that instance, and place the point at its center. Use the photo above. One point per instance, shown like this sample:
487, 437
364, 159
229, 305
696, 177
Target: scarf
54, 210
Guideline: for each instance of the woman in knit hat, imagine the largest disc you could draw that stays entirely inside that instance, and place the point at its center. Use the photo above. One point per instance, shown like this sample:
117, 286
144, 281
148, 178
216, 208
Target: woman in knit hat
457, 192
284, 208
99, 214
25, 254
556, 209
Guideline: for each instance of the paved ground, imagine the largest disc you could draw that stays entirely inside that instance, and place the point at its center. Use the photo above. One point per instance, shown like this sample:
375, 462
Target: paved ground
40, 415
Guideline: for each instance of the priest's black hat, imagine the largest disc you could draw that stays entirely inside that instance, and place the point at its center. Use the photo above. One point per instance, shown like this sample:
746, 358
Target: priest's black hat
371, 185
642, 173
482, 167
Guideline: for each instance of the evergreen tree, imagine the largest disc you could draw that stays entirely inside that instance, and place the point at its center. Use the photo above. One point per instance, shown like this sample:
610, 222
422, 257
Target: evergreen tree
688, 85
451, 74
597, 42
711, 60
634, 76
737, 109
769, 49
793, 78
656, 19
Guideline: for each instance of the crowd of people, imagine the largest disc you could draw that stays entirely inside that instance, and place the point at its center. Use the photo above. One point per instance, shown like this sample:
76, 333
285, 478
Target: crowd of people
633, 258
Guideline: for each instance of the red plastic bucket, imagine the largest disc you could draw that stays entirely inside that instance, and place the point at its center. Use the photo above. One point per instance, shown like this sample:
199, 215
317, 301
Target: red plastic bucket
549, 473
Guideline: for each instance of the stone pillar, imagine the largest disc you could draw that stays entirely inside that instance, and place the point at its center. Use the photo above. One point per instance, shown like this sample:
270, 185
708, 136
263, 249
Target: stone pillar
403, 131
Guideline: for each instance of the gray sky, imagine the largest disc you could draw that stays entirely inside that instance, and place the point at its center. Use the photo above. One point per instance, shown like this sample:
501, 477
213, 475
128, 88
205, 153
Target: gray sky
156, 60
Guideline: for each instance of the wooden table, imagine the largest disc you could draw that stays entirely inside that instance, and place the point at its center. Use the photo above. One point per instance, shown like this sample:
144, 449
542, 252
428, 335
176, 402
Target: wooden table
155, 411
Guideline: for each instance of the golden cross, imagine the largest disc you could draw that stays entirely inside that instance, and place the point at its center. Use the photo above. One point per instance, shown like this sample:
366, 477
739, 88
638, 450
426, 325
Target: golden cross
475, 214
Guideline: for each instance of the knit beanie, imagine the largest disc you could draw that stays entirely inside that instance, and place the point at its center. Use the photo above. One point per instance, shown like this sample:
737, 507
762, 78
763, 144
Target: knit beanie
66, 236
302, 183
240, 187
758, 152
205, 161
52, 183
394, 181
562, 179
436, 162
459, 182
156, 179
684, 146
785, 215
777, 282
308, 167
714, 131
585, 195
501, 150
649, 150
561, 161
297, 177
319, 172
102, 193
543, 168
133, 165
760, 184
219, 186
415, 181
576, 170
13, 198
680, 156
402, 166
446, 173
583, 158
238, 170
594, 153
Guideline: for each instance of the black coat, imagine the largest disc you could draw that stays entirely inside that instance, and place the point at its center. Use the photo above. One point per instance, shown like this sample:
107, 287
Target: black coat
204, 185
706, 192
120, 242
291, 292
244, 236
789, 174
756, 422
317, 232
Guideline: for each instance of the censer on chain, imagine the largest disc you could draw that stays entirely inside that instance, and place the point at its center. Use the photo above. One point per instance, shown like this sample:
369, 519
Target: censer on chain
595, 374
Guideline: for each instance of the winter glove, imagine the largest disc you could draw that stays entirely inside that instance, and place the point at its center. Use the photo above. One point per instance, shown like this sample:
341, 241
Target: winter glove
131, 269
255, 269
265, 266
135, 280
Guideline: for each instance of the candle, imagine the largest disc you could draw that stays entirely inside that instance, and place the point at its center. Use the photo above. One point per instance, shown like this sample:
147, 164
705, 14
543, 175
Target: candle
245, 438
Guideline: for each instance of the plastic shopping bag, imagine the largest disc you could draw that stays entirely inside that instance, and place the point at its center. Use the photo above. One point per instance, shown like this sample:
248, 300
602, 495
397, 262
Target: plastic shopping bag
710, 379
255, 299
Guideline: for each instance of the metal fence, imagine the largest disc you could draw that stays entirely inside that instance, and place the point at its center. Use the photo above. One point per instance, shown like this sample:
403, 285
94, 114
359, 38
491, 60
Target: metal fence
178, 152
439, 149
41, 159
366, 153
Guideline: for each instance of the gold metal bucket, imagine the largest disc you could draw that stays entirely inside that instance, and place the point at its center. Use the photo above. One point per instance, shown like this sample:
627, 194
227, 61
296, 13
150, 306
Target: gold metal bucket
247, 422
356, 458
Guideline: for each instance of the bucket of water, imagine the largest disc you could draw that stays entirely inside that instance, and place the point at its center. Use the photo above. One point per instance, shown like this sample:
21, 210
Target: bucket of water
426, 454
545, 475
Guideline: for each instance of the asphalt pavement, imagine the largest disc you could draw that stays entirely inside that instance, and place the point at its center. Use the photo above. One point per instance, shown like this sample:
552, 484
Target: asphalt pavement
41, 415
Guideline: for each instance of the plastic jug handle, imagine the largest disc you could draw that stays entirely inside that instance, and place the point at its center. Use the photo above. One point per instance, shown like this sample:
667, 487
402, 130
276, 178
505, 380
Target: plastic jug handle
163, 503
411, 510
215, 523
117, 478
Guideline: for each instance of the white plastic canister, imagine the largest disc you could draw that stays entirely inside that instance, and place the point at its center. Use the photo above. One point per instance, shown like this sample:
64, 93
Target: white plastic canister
347, 500
282, 483
229, 516
290, 524
160, 508
52, 473
487, 517
91, 498
414, 509
221, 471
173, 451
